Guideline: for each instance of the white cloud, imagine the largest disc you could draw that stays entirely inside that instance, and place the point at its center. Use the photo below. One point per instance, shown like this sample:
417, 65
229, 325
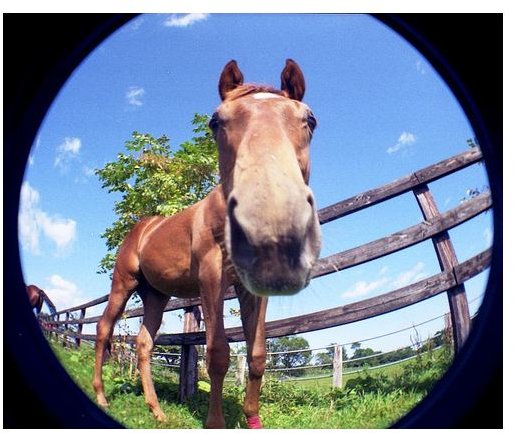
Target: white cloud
66, 151
362, 287
36, 145
88, 171
27, 218
136, 24
60, 231
421, 67
406, 139
134, 95
63, 293
33, 223
184, 20
415, 274
488, 237
387, 283
82, 176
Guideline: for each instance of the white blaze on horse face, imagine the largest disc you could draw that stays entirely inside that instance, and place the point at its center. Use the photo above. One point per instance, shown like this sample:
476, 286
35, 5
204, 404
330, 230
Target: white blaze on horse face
265, 95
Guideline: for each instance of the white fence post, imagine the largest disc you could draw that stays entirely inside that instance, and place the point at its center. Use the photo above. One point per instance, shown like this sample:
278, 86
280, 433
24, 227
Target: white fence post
240, 370
337, 376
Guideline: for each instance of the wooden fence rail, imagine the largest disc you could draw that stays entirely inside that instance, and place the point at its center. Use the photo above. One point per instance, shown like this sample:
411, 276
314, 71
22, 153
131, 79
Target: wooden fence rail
339, 261
435, 226
346, 314
340, 209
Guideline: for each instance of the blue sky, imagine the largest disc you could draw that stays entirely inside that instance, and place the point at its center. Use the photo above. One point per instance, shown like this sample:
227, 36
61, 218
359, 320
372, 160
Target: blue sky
382, 113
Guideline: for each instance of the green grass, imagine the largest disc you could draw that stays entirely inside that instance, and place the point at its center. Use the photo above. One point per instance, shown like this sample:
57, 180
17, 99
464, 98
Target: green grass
393, 370
373, 399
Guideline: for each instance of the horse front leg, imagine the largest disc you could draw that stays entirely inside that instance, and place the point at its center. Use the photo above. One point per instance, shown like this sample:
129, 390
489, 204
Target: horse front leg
153, 303
253, 317
212, 287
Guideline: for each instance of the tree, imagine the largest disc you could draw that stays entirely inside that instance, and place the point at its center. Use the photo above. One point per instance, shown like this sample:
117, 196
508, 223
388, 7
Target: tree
328, 356
290, 359
355, 346
359, 353
155, 180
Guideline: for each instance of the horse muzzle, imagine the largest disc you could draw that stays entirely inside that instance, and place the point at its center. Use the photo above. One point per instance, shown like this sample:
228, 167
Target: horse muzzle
273, 250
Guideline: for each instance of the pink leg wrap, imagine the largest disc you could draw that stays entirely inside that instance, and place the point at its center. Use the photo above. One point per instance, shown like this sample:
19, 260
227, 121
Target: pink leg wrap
254, 422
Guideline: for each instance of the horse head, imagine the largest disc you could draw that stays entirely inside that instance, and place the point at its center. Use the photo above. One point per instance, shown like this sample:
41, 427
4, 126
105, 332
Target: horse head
272, 232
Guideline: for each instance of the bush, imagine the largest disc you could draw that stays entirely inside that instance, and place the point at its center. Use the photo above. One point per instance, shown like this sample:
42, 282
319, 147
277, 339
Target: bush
418, 375
288, 394
370, 383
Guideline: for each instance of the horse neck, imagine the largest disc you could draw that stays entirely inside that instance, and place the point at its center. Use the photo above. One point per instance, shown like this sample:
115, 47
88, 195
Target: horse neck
214, 212
48, 302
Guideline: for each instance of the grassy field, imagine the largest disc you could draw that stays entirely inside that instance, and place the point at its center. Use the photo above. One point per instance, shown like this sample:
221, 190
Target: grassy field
373, 399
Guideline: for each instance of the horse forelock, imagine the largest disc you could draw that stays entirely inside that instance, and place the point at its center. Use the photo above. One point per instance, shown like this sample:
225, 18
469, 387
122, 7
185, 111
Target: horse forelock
249, 89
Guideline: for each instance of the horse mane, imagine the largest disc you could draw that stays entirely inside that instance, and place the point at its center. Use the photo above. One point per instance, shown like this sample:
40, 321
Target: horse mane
248, 89
48, 302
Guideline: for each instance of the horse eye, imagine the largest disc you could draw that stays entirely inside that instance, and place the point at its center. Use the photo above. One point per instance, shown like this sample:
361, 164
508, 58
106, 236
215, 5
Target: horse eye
214, 122
311, 121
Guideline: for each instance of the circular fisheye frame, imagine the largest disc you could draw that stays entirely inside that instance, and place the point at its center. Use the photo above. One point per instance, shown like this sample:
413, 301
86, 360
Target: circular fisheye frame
38, 393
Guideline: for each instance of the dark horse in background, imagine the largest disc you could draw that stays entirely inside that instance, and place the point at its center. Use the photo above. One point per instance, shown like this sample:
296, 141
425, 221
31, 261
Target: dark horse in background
36, 298
258, 231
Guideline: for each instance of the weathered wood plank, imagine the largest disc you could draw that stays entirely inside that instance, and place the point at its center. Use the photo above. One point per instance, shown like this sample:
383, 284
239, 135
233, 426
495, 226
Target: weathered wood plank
173, 304
405, 238
358, 255
91, 303
448, 166
473, 266
337, 210
349, 313
337, 367
189, 356
79, 328
457, 300
366, 199
399, 186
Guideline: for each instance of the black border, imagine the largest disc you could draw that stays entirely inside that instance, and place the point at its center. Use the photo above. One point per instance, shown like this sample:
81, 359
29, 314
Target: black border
466, 49
40, 53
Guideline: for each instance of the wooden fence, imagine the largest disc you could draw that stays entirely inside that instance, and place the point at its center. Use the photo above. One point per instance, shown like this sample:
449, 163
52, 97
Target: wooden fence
435, 226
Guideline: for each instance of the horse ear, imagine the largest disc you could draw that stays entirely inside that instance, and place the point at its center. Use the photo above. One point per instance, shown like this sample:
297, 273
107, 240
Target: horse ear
230, 78
292, 81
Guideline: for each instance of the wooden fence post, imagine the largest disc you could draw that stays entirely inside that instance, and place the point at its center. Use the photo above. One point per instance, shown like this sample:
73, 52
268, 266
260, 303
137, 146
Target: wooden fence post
65, 334
55, 333
240, 370
189, 356
79, 326
459, 309
337, 375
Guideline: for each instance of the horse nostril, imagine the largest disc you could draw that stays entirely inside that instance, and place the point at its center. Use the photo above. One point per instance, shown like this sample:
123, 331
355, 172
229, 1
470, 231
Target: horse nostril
231, 205
242, 251
310, 200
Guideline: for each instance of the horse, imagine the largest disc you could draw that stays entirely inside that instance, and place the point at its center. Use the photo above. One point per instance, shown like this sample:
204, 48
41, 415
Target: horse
36, 298
258, 230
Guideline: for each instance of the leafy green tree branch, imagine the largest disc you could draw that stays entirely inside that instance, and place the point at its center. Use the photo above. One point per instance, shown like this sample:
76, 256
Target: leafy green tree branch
152, 179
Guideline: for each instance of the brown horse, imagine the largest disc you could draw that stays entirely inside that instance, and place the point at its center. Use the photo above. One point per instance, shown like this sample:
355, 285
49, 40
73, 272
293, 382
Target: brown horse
36, 298
259, 228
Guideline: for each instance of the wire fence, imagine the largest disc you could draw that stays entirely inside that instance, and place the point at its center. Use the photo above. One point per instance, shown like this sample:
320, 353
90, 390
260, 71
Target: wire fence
320, 369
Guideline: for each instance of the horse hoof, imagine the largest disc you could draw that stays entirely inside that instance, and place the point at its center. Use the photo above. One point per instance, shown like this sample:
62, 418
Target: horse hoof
102, 402
160, 416
254, 422
214, 424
